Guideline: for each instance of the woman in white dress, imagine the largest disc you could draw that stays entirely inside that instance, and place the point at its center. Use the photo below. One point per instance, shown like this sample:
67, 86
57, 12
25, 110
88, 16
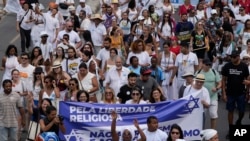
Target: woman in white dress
38, 27
167, 61
9, 61
167, 6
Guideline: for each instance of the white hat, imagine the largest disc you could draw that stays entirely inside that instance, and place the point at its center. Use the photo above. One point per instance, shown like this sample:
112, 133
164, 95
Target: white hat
82, 1
213, 11
246, 55
43, 33
96, 16
207, 134
56, 64
187, 74
71, 8
200, 77
140, 18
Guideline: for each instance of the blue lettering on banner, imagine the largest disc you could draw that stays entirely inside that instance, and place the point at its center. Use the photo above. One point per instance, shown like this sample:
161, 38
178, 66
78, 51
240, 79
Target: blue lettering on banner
91, 121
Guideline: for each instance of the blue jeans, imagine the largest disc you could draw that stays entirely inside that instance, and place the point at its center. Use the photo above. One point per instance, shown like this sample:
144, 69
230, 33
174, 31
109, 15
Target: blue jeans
8, 133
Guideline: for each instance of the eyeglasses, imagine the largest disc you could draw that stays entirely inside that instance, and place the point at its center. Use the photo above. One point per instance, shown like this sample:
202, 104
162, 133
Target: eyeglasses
135, 94
177, 133
24, 58
71, 84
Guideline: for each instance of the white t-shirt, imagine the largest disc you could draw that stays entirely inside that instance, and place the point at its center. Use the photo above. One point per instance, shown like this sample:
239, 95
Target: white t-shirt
97, 33
51, 24
87, 9
158, 135
131, 102
26, 75
85, 24
186, 63
203, 93
26, 17
103, 55
166, 29
243, 53
73, 36
46, 50
143, 57
64, 12
72, 65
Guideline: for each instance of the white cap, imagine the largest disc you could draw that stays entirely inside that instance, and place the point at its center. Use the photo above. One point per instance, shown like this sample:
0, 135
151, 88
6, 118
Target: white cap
82, 1
71, 8
43, 33
246, 55
207, 134
213, 11
140, 18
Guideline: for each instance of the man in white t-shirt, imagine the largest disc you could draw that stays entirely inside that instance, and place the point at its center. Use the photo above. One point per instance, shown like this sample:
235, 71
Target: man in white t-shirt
45, 46
153, 133
103, 54
73, 36
65, 44
83, 6
198, 88
186, 61
26, 71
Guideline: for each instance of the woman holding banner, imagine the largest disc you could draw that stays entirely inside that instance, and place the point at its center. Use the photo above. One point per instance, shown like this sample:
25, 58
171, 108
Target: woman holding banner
127, 134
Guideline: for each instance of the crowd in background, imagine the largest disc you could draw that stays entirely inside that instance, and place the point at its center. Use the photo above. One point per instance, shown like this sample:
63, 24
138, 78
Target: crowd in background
129, 52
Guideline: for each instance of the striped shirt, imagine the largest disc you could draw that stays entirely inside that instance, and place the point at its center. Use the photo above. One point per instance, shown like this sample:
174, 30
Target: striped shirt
9, 103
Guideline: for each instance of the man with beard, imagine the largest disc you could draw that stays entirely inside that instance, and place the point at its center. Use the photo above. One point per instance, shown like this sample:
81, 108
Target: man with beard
9, 103
125, 90
184, 28
103, 54
117, 76
108, 17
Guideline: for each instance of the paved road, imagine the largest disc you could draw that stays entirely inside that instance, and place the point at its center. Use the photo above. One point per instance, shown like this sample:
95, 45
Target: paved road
8, 35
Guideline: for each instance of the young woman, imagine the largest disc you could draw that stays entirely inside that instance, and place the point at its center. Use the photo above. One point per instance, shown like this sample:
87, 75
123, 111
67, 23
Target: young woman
125, 25
167, 61
117, 41
201, 11
153, 14
73, 87
111, 61
38, 26
175, 133
137, 28
137, 97
60, 54
38, 82
82, 96
149, 41
175, 47
49, 91
244, 35
36, 57
61, 78
156, 96
9, 61
167, 7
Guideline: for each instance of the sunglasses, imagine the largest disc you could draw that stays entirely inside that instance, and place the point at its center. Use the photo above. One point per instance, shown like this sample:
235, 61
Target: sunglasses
24, 58
177, 133
135, 94
71, 84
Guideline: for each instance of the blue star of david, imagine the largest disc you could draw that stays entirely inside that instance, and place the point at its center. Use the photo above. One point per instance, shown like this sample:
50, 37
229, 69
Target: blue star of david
192, 104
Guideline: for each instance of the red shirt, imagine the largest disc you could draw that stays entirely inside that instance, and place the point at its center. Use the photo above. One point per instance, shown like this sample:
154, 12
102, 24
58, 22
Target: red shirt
184, 10
245, 4
176, 50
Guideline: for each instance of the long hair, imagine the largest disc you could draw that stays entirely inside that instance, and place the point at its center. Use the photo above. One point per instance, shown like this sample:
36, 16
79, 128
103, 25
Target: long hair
134, 45
87, 36
152, 100
32, 56
7, 52
175, 126
170, 22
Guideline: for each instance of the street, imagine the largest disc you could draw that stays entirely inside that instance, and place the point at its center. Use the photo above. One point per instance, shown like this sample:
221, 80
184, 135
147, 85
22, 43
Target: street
9, 35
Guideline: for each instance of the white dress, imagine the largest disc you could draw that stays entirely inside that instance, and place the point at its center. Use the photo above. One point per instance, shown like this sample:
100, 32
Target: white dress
12, 6
10, 64
170, 92
37, 29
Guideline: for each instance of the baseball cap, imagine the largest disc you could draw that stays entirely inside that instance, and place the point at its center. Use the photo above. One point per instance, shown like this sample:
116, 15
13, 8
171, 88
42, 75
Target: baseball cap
145, 70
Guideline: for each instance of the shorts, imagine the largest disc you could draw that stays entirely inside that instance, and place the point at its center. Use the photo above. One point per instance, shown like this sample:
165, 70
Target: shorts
213, 109
200, 53
233, 101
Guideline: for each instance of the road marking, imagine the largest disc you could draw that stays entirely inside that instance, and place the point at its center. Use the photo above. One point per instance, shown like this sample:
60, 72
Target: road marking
14, 39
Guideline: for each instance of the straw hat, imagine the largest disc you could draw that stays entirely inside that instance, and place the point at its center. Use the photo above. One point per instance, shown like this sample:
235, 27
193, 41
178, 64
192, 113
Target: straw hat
96, 16
56, 64
200, 77
114, 1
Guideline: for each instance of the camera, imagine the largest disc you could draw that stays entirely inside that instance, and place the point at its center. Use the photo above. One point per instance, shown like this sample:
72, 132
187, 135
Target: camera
61, 118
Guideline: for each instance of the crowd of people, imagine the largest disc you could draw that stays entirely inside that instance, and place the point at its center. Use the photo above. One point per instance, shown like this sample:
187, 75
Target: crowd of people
128, 52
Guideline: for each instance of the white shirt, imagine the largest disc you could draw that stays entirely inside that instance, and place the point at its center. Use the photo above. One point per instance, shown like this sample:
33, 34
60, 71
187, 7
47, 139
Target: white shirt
166, 29
64, 12
51, 24
158, 135
131, 102
115, 81
26, 75
103, 55
46, 49
203, 93
186, 63
97, 33
73, 36
72, 65
26, 17
87, 9
243, 53
85, 24
143, 57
